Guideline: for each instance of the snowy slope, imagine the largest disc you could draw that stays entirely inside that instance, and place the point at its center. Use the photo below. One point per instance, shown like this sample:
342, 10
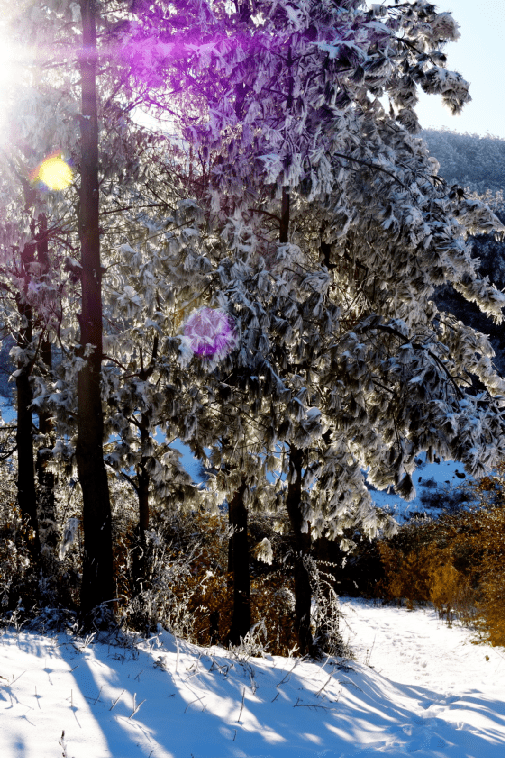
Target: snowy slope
430, 692
443, 477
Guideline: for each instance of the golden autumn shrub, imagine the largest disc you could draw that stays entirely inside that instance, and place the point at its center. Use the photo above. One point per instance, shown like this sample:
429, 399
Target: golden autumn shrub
456, 562
488, 542
406, 574
451, 592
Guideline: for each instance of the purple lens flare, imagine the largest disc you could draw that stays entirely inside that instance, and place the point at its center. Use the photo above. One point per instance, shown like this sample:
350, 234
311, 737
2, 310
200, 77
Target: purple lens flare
210, 333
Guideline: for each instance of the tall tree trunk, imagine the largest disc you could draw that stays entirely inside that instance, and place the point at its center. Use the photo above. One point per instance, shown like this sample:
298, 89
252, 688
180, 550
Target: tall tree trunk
98, 577
48, 528
303, 591
139, 551
239, 554
27, 496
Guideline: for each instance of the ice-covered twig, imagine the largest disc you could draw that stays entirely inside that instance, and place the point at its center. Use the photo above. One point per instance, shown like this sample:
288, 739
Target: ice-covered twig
241, 706
135, 707
116, 701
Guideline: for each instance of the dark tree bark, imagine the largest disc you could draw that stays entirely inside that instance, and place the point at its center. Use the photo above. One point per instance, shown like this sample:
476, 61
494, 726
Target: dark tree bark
239, 554
27, 495
139, 551
303, 591
144, 477
48, 529
98, 577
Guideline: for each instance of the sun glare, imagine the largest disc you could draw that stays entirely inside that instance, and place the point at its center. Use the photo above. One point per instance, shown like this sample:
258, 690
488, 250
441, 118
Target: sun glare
14, 70
17, 71
10, 63
54, 172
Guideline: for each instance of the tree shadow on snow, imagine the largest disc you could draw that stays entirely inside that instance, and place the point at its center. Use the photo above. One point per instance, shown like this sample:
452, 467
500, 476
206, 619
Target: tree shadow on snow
174, 700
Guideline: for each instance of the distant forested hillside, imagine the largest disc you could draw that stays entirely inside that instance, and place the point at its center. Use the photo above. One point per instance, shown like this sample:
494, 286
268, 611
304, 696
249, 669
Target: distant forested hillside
469, 160
476, 163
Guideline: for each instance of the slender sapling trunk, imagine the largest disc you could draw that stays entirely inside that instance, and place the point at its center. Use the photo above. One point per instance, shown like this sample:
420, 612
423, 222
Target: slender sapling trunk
27, 495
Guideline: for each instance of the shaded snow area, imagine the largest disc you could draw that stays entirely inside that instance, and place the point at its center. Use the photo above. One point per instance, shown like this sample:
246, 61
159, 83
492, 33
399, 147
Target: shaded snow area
8, 414
437, 486
415, 687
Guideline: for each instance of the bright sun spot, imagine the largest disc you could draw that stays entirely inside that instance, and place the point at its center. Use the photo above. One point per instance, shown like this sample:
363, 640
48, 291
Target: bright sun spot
16, 72
54, 172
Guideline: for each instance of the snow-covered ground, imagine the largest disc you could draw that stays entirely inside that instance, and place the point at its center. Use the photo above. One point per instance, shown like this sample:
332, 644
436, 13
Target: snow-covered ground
415, 687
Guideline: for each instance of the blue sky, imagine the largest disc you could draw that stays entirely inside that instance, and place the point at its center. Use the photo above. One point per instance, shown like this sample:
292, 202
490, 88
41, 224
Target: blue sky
479, 56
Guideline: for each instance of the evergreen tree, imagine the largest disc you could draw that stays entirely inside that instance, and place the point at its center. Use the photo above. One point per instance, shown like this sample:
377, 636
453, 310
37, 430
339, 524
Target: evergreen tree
313, 187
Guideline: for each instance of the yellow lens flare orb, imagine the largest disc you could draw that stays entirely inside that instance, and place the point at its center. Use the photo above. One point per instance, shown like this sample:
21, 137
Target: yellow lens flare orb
54, 172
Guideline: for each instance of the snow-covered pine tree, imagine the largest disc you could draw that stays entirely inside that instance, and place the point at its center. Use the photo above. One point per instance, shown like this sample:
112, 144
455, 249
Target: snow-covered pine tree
47, 115
145, 389
299, 145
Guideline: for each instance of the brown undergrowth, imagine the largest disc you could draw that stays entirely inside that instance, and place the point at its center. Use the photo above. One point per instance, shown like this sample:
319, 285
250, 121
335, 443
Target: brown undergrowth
189, 590
456, 562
